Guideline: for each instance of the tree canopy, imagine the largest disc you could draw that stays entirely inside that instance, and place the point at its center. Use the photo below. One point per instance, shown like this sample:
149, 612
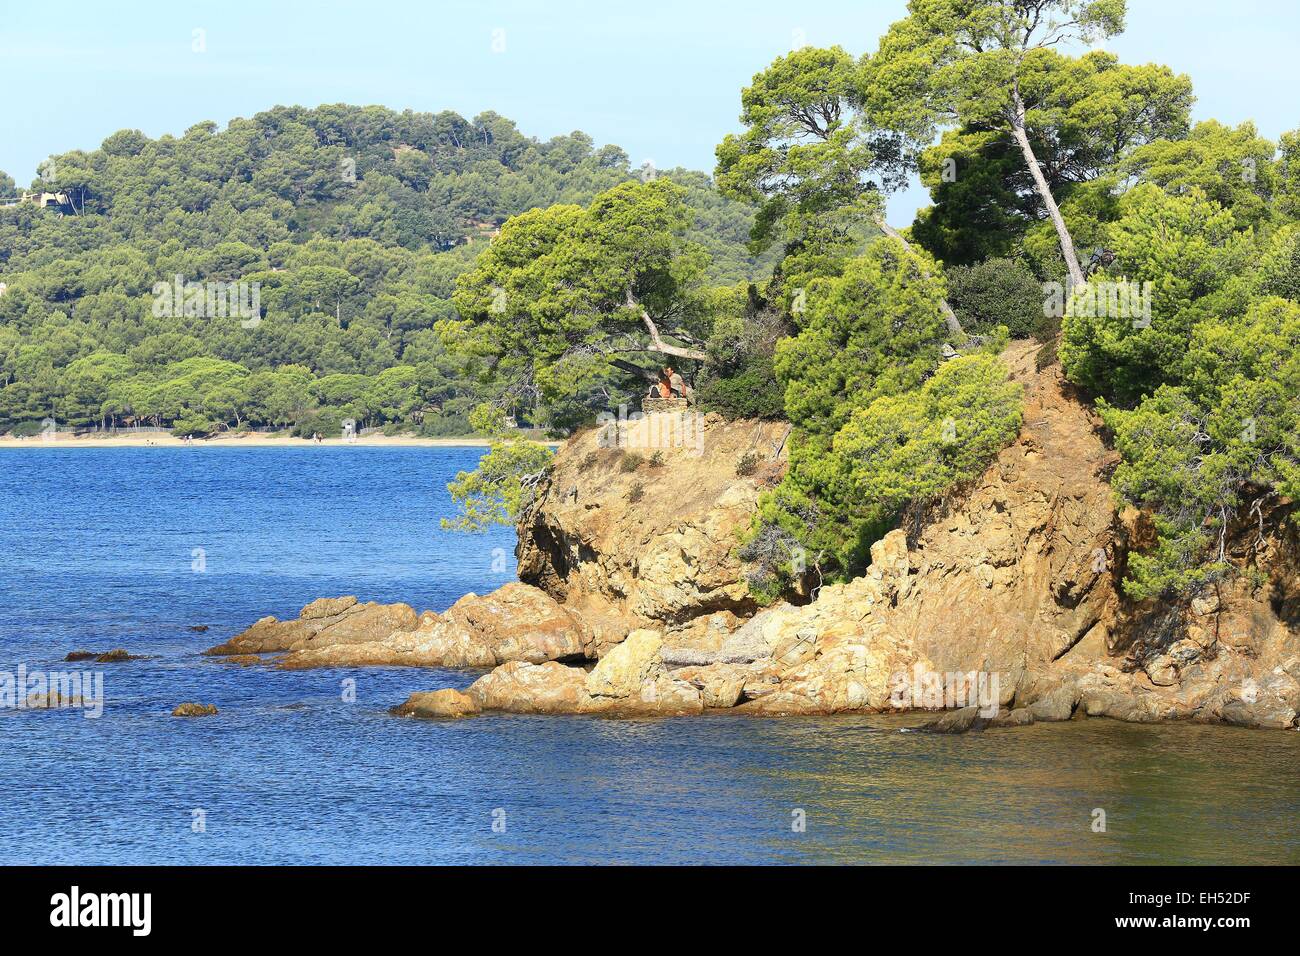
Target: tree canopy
353, 224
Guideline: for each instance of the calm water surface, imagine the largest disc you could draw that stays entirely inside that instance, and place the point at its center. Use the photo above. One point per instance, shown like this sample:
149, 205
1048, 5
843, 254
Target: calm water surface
98, 550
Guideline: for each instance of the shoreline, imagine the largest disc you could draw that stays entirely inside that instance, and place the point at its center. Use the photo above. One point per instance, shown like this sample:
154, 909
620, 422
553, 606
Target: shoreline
255, 440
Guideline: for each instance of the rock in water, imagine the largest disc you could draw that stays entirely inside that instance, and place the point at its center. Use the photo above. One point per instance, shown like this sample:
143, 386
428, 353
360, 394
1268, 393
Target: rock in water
437, 703
524, 688
114, 656
322, 623
190, 709
957, 721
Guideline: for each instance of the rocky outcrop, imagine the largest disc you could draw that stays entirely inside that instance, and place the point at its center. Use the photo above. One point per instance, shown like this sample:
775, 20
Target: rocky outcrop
1001, 608
630, 680
438, 703
325, 622
635, 682
524, 688
515, 622
635, 524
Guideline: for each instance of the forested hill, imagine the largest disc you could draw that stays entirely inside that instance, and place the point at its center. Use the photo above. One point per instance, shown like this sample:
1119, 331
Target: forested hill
353, 222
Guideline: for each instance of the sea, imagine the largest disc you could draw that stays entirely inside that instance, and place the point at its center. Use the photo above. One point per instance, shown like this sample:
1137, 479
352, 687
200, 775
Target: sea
135, 548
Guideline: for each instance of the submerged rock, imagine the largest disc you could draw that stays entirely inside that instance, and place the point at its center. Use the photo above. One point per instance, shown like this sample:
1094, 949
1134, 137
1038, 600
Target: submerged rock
53, 700
116, 655
108, 657
244, 660
191, 709
957, 721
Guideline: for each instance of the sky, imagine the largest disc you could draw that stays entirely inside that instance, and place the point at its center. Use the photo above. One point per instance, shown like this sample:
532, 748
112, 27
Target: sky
660, 78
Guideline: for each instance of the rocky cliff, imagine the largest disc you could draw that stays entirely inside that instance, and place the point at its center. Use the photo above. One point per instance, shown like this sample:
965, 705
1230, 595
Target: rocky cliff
1003, 607
636, 526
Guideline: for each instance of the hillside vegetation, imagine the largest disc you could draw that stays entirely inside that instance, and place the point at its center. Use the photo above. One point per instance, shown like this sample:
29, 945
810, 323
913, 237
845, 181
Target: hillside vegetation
353, 222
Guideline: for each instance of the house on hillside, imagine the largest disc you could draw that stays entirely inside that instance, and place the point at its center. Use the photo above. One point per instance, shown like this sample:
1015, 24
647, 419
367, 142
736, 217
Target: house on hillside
59, 201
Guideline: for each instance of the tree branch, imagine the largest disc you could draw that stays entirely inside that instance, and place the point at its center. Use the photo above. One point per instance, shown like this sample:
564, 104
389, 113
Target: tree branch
627, 366
657, 343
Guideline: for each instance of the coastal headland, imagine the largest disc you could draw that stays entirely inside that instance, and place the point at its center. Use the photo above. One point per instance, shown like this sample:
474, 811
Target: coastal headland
1003, 608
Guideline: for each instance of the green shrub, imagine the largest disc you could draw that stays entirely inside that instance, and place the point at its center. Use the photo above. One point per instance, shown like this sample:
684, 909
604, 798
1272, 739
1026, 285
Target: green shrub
446, 426
752, 392
27, 429
747, 464
196, 426
997, 292
326, 422
1280, 264
842, 494
1194, 455
1183, 258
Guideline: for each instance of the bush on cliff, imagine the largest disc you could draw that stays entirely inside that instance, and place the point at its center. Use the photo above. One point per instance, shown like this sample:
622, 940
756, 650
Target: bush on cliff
1226, 438
1200, 386
997, 292
739, 381
503, 483
751, 392
880, 419
1186, 247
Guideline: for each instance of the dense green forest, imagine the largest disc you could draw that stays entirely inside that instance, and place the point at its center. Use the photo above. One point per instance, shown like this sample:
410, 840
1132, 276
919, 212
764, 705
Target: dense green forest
352, 223
1074, 201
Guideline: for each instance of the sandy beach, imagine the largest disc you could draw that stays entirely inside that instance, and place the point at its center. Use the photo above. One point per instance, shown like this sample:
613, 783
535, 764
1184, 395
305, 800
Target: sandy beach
247, 440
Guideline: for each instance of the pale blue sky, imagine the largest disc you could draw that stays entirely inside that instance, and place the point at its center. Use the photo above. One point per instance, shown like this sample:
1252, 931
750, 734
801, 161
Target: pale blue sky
661, 79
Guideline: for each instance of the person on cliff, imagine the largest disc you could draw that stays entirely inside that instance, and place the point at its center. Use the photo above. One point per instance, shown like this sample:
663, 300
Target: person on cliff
677, 385
662, 388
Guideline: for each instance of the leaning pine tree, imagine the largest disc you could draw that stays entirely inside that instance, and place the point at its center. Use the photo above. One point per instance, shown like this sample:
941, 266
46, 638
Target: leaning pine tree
812, 158
966, 63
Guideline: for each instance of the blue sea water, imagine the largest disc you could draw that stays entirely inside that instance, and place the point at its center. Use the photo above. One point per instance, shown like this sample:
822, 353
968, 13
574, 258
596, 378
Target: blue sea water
129, 547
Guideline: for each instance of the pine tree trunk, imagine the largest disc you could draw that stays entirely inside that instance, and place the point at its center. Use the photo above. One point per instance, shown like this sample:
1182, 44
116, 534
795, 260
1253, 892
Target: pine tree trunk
949, 316
1044, 193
